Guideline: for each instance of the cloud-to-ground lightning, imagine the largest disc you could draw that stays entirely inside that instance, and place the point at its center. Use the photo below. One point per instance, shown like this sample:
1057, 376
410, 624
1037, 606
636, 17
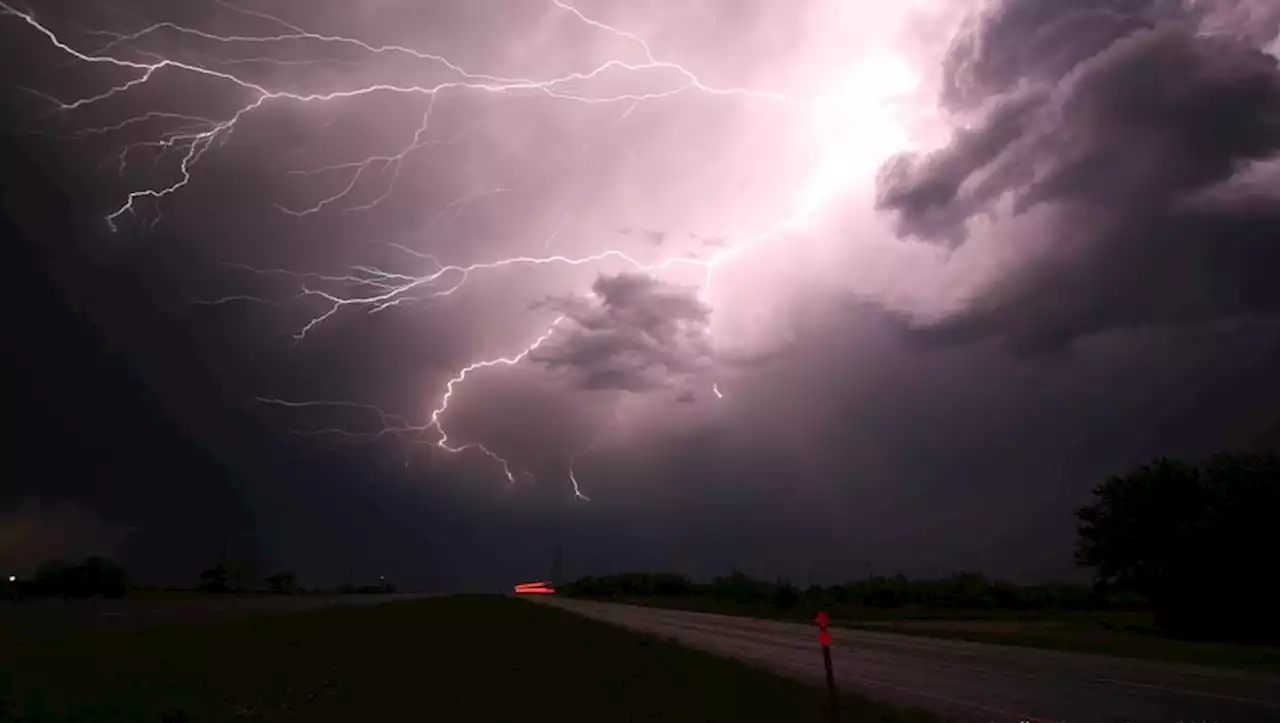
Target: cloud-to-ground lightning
190, 138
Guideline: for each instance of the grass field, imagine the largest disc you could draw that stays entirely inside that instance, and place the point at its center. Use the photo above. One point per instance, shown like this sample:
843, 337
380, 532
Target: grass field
1131, 635
446, 659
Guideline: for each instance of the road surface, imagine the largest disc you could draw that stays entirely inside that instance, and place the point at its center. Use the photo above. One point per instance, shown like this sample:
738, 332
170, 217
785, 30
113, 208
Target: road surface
968, 681
45, 619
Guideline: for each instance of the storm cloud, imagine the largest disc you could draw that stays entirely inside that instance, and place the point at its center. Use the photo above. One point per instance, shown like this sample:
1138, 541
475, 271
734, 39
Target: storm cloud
369, 326
1138, 136
635, 333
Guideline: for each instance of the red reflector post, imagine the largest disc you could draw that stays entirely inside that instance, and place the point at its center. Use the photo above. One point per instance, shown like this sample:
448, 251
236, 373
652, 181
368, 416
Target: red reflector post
824, 638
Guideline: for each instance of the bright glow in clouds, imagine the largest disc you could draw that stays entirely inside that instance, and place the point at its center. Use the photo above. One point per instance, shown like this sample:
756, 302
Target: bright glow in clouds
859, 127
815, 126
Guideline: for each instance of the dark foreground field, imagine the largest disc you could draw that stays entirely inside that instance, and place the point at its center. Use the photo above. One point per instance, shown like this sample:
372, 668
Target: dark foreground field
458, 658
45, 619
1128, 635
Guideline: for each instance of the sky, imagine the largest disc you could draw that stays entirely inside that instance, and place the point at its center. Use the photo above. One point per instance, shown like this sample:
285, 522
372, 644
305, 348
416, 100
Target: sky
809, 289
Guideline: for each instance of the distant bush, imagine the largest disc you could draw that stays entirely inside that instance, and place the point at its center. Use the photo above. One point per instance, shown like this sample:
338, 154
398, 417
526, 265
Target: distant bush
633, 585
382, 588
740, 588
91, 577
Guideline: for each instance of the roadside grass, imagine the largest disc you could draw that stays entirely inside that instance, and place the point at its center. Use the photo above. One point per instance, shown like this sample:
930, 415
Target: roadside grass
1120, 634
475, 658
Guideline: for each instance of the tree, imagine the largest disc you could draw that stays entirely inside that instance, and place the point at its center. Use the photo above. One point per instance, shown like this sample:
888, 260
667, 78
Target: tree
785, 596
243, 572
1193, 540
283, 583
215, 579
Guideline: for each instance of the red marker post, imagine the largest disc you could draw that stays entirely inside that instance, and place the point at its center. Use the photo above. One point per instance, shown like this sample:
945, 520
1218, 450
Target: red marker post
824, 637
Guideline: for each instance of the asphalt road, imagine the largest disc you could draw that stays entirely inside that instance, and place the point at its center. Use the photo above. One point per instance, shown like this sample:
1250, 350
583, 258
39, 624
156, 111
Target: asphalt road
968, 681
47, 619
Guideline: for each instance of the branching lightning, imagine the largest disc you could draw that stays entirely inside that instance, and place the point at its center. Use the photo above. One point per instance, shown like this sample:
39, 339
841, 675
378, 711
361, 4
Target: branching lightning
189, 138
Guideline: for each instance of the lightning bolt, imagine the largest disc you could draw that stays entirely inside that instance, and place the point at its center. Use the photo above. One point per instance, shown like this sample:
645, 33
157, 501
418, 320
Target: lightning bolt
595, 444
190, 138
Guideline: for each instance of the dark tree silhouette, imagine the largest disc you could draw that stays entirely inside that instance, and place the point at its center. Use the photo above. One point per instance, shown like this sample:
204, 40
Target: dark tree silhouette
963, 591
785, 596
215, 579
1198, 541
283, 582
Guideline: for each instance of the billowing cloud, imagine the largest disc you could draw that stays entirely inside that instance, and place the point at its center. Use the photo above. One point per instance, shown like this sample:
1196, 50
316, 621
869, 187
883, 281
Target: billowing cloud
1138, 134
1009, 43
366, 263
634, 333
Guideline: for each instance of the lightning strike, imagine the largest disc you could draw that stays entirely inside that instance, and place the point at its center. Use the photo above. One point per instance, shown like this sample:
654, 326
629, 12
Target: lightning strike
577, 489
460, 377
367, 287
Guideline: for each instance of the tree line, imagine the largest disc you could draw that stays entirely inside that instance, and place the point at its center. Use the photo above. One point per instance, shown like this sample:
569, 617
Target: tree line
90, 577
103, 577
961, 592
1194, 544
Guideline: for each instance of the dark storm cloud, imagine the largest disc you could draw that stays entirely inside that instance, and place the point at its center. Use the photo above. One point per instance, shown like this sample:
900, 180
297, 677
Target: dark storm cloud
1128, 128
35, 531
1036, 40
1256, 22
635, 334
926, 191
832, 448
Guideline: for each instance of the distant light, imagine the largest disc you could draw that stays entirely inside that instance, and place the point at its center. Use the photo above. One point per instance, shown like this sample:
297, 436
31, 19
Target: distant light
535, 588
13, 578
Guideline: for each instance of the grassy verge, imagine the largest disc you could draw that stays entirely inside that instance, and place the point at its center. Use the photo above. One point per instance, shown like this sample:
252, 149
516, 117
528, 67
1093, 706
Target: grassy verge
1119, 634
462, 658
